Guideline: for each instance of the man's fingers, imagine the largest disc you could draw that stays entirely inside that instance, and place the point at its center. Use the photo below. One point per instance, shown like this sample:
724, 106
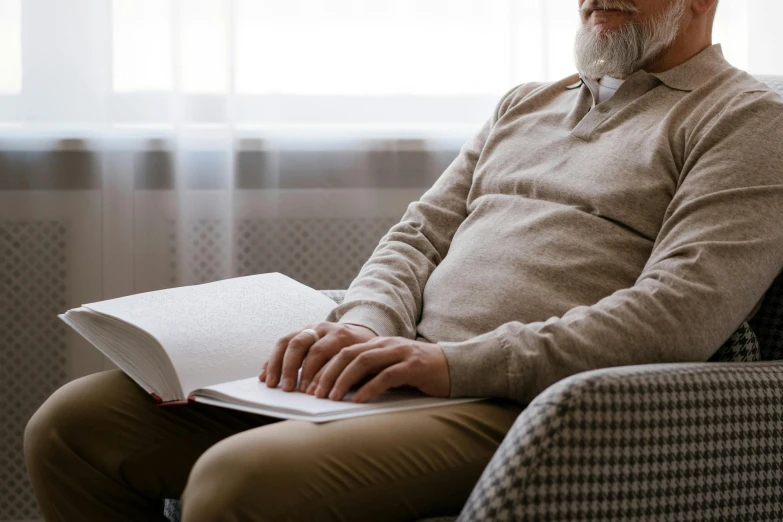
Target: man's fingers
275, 366
317, 356
339, 362
391, 377
334, 367
293, 357
262, 375
314, 383
365, 363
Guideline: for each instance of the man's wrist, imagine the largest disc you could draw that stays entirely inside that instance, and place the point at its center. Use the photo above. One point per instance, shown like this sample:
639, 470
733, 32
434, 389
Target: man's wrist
362, 326
370, 317
478, 367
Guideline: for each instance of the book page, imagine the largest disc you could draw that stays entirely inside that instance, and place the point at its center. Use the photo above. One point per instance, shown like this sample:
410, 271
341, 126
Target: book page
253, 395
222, 331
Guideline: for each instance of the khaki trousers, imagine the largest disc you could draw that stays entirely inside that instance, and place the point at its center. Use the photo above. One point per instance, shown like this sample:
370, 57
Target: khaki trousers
100, 449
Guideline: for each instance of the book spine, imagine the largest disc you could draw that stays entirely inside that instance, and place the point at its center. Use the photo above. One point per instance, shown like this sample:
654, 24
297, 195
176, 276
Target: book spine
160, 401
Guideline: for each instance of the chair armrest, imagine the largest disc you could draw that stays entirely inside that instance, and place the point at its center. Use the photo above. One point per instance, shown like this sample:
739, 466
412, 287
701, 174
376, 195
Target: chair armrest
172, 509
695, 441
335, 295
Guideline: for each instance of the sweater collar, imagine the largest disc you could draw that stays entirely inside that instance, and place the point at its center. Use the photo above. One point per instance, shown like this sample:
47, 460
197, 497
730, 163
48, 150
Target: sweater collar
689, 75
695, 72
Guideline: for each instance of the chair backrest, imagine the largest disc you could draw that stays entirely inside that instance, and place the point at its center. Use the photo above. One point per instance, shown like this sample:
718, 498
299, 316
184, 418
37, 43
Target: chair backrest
776, 82
768, 321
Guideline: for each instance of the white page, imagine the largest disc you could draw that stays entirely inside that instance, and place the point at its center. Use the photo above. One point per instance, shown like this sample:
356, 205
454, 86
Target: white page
255, 396
222, 331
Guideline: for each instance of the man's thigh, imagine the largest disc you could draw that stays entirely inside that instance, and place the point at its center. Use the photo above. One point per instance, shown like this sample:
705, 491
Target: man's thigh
121, 436
388, 467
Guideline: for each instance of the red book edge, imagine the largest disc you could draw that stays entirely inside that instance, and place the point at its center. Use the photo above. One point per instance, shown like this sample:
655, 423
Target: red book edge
160, 402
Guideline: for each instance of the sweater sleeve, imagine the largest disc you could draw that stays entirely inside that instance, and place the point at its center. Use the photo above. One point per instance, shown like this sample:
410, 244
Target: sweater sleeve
719, 248
386, 296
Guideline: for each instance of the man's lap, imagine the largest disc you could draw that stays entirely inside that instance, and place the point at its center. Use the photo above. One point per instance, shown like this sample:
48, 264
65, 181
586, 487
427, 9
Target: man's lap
391, 466
395, 466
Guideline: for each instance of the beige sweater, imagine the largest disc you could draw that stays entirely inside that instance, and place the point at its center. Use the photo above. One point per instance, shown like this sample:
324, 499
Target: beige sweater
567, 236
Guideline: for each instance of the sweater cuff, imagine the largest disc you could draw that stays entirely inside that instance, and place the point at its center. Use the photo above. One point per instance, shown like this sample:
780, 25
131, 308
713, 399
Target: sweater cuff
370, 317
478, 367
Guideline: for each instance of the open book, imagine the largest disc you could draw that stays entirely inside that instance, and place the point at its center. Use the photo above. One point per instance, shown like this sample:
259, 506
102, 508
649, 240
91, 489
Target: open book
206, 343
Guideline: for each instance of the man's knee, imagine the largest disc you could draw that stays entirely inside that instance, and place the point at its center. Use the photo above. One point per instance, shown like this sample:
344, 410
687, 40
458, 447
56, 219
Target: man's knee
228, 483
66, 417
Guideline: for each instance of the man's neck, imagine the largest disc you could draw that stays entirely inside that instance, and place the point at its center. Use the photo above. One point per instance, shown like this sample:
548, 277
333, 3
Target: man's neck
667, 60
695, 36
675, 56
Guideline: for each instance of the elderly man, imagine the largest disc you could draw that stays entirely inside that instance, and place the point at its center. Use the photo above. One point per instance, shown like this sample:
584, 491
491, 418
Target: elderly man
630, 214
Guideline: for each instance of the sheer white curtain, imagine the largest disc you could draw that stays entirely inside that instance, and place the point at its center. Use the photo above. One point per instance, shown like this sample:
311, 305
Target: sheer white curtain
272, 63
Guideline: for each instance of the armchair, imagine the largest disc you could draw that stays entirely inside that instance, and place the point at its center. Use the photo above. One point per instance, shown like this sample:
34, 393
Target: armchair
695, 441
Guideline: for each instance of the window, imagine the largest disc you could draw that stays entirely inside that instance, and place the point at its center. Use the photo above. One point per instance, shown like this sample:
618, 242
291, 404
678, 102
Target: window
388, 63
10, 47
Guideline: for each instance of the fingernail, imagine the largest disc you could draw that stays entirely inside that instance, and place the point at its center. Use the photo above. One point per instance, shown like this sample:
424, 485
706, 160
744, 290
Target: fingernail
303, 385
320, 392
311, 388
333, 394
286, 384
271, 381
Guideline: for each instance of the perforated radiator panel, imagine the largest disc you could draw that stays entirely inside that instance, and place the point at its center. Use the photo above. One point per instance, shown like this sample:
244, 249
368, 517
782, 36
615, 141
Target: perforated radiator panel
33, 282
320, 253
205, 252
323, 253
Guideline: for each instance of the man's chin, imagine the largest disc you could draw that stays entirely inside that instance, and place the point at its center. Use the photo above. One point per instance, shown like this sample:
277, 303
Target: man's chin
604, 30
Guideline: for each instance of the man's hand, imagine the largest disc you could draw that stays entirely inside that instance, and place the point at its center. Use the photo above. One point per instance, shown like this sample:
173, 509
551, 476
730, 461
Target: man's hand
397, 361
297, 349
347, 354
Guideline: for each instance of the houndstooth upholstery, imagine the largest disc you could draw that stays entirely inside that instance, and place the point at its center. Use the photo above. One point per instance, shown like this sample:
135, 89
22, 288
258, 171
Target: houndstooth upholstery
657, 442
768, 322
776, 82
742, 346
335, 295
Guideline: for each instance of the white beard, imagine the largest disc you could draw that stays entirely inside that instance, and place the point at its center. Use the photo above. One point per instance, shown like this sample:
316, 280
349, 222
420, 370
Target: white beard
623, 51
